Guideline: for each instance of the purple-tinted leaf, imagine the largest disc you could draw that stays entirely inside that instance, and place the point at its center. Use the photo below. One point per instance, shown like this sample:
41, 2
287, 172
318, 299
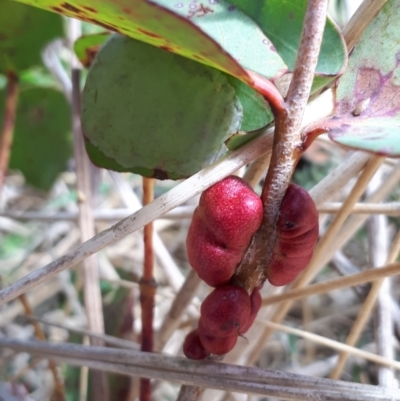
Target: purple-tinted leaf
368, 94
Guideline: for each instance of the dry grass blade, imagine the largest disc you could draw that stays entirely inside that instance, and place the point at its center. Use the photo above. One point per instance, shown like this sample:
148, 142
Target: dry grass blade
335, 345
115, 341
360, 20
390, 209
181, 212
210, 374
335, 284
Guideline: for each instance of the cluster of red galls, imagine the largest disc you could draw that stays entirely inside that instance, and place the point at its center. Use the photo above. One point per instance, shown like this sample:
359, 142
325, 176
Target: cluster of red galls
228, 215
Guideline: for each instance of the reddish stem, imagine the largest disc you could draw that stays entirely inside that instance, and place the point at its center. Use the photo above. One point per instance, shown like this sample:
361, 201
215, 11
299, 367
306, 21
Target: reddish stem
147, 288
288, 146
7, 132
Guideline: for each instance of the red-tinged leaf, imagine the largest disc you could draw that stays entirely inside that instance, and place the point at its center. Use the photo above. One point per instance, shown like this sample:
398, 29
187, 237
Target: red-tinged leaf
195, 38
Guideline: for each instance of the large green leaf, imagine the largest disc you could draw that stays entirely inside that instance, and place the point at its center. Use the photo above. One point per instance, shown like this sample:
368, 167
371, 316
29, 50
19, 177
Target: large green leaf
368, 93
155, 24
154, 112
23, 33
42, 141
256, 111
282, 22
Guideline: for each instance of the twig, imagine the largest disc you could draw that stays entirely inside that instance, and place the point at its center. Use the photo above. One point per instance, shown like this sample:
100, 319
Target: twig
181, 212
360, 21
335, 345
339, 177
345, 267
206, 373
114, 341
147, 288
7, 131
378, 241
59, 393
287, 148
335, 284
388, 209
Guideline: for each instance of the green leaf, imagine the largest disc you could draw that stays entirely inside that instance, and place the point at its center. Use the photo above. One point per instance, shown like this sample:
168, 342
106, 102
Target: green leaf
24, 31
42, 140
174, 26
155, 113
239, 35
368, 94
87, 46
256, 111
239, 139
282, 23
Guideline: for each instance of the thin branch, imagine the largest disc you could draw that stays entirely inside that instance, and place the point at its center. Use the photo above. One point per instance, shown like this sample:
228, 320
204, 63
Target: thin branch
335, 345
180, 212
287, 148
360, 21
335, 284
110, 340
7, 131
147, 288
388, 209
378, 241
206, 373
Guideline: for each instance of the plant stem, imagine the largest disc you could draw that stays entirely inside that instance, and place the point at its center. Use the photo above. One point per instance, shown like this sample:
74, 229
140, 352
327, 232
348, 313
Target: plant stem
147, 288
7, 131
287, 148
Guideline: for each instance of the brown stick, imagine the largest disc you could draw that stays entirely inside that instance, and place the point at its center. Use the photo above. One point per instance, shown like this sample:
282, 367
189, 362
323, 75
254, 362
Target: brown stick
7, 131
147, 288
58, 384
287, 148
